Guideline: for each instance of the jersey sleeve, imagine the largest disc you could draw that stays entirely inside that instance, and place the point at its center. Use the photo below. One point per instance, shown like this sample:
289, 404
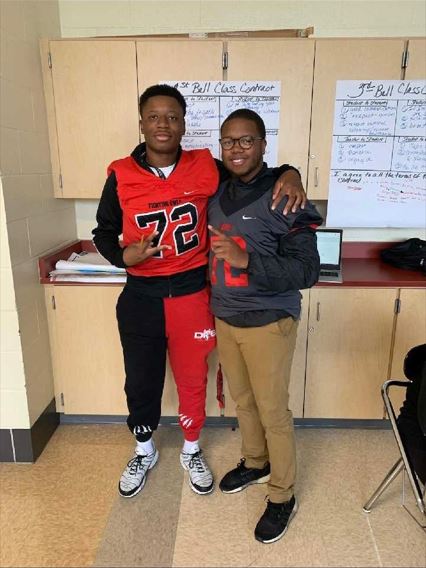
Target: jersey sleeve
295, 265
109, 227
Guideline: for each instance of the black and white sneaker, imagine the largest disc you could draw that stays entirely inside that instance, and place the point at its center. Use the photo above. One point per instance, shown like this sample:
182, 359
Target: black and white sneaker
274, 522
241, 477
134, 476
200, 476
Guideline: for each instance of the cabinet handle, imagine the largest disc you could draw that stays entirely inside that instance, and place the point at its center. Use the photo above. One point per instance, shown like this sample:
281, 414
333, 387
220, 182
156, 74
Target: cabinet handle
316, 177
318, 311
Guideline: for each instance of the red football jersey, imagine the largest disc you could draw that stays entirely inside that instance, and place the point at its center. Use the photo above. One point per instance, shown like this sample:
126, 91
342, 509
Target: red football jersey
176, 207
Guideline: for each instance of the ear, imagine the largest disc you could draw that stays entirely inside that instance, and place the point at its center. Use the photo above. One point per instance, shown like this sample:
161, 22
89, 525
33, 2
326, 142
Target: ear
184, 127
141, 125
264, 143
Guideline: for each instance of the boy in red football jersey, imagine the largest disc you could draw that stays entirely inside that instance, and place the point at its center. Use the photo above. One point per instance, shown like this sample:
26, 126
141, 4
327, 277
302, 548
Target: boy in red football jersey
157, 198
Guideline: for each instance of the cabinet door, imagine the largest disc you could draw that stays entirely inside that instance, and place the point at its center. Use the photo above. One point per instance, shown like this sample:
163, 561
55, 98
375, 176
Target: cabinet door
297, 377
88, 356
178, 60
349, 344
95, 100
416, 65
291, 62
355, 59
49, 298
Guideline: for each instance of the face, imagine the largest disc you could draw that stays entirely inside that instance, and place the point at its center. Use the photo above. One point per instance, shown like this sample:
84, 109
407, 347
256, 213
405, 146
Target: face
243, 163
163, 125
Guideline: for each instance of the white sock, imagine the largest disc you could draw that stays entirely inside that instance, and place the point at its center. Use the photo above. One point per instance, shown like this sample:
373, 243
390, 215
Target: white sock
145, 448
190, 447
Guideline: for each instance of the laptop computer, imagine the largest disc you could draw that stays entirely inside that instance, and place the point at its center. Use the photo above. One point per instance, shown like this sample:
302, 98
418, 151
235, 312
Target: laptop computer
329, 243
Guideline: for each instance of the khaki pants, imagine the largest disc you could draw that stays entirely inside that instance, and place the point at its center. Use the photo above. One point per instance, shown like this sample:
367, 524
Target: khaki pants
257, 364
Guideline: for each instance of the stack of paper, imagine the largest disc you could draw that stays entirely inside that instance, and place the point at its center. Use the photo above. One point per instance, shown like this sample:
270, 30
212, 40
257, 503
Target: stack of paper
87, 267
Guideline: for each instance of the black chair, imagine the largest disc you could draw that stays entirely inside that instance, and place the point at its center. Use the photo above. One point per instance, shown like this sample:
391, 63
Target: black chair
409, 430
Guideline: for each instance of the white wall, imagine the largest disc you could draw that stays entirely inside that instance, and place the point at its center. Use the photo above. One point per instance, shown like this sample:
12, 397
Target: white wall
13, 395
30, 217
345, 18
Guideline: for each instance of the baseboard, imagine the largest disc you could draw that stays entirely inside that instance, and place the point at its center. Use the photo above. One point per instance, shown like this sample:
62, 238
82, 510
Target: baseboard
25, 445
370, 424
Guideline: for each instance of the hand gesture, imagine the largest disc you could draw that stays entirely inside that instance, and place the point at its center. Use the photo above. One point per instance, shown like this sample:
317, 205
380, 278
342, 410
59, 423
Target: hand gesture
289, 184
136, 253
225, 248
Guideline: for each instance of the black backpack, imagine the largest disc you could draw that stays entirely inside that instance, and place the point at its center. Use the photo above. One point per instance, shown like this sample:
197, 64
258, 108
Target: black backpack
410, 255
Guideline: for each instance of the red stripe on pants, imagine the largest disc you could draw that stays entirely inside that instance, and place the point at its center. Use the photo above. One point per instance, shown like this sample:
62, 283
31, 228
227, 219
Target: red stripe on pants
190, 338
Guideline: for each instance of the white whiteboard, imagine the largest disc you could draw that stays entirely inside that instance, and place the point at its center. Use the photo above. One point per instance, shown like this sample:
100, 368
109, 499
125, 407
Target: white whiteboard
378, 162
210, 102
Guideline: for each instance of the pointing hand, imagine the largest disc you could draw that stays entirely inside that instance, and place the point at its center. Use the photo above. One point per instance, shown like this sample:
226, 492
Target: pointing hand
226, 248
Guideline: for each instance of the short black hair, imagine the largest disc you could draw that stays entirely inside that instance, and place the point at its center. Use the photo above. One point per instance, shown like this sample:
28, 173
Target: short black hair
162, 91
247, 114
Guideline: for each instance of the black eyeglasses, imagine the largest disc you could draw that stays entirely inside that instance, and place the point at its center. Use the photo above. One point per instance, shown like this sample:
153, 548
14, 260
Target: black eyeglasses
245, 142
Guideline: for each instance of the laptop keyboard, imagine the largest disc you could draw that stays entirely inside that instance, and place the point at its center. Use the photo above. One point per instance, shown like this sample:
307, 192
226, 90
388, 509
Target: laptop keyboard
329, 273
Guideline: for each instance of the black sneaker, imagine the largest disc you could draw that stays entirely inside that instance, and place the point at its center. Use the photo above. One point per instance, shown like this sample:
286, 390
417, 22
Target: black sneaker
241, 477
274, 522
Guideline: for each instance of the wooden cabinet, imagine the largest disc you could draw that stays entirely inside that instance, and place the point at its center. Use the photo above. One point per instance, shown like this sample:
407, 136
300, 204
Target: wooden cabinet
416, 63
178, 60
86, 353
349, 346
343, 352
87, 357
348, 59
88, 362
92, 89
92, 105
288, 61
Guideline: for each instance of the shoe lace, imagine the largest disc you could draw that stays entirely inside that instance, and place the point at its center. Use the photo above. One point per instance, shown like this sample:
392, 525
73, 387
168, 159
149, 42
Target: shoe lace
276, 512
135, 464
243, 471
197, 462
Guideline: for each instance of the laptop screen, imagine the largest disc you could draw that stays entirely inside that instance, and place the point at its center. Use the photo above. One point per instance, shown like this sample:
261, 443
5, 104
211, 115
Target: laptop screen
329, 246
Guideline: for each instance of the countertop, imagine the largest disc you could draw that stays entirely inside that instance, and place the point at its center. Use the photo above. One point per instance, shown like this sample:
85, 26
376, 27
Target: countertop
362, 267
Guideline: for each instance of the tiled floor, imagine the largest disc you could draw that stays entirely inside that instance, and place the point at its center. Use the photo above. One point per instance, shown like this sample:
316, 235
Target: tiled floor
65, 511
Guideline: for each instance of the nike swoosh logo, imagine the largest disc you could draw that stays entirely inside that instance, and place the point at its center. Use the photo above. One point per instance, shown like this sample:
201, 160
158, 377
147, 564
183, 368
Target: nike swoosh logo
246, 217
187, 192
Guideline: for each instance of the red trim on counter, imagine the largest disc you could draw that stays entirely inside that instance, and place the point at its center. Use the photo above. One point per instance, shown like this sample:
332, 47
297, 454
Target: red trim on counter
363, 250
47, 263
373, 273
